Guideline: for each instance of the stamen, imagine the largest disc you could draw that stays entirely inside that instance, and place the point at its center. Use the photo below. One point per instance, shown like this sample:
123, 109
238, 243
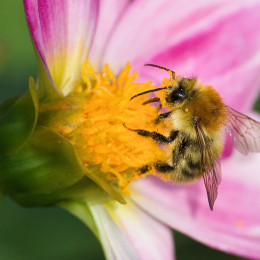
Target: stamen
100, 138
89, 76
92, 118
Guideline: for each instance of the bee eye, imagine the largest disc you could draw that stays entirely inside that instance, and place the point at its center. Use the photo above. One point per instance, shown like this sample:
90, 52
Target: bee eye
176, 95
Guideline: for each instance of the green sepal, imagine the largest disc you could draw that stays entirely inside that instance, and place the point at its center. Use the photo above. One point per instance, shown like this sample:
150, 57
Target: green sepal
47, 89
45, 166
84, 190
18, 117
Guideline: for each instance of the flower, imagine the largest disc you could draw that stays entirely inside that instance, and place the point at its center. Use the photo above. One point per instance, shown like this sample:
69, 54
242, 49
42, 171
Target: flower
73, 43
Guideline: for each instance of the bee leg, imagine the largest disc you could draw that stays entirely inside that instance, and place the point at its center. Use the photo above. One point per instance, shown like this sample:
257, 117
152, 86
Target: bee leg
144, 169
163, 167
151, 100
162, 116
179, 151
156, 136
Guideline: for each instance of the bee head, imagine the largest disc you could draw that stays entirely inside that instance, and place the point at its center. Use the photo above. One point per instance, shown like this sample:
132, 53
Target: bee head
181, 91
178, 92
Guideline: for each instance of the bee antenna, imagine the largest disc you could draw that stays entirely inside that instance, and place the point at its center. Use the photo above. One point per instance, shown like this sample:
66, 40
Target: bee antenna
148, 91
163, 68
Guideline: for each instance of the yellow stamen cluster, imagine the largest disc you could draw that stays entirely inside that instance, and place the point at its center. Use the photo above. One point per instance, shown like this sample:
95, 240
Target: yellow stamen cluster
97, 111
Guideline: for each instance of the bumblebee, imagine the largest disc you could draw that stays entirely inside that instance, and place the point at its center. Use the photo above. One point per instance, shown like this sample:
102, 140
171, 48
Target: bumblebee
198, 119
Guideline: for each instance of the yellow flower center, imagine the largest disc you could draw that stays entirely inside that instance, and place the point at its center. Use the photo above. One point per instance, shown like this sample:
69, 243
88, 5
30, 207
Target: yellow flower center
96, 119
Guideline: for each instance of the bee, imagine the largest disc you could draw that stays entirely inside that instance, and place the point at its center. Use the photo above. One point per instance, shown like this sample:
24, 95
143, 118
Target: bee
198, 119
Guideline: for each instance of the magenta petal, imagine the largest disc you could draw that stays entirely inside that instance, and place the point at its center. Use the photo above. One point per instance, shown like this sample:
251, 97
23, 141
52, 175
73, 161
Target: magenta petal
147, 28
226, 55
62, 31
233, 226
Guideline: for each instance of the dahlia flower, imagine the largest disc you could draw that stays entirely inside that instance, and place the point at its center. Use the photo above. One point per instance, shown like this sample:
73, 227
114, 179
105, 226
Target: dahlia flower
64, 141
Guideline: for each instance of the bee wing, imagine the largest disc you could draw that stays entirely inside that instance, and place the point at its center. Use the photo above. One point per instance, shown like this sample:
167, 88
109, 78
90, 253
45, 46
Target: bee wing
211, 168
212, 180
244, 132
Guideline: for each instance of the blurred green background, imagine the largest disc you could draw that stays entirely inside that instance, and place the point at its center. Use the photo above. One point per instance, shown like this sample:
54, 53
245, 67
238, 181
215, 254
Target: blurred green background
49, 233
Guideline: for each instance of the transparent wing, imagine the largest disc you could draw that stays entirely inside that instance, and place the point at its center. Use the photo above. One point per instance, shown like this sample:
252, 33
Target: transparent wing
244, 132
212, 180
211, 168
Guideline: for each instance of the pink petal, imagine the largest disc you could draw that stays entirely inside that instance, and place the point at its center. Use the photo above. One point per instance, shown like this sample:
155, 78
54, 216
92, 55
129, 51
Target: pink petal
62, 32
233, 226
109, 13
127, 232
226, 55
148, 27
114, 242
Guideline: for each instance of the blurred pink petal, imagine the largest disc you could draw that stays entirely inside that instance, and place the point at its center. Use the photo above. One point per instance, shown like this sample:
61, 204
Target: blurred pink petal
62, 32
148, 28
114, 242
233, 226
130, 233
218, 56
110, 12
